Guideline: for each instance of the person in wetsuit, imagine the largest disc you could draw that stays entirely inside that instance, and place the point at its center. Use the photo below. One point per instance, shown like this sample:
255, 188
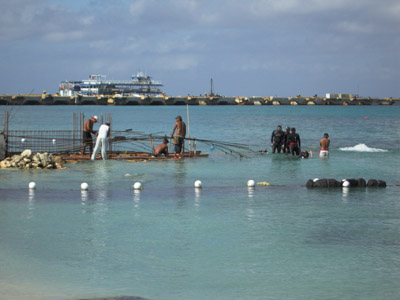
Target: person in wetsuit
277, 139
304, 154
285, 137
293, 142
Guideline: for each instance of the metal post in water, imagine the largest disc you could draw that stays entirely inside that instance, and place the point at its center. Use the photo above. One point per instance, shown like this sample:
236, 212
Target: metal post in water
151, 143
188, 120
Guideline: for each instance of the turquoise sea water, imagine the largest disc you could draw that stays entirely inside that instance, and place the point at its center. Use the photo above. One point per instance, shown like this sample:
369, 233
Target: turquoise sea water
225, 241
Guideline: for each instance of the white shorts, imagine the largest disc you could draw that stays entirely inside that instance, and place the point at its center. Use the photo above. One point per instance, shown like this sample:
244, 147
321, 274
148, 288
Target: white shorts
323, 153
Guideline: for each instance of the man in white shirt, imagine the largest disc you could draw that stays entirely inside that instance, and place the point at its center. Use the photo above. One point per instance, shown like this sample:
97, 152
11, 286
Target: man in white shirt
102, 140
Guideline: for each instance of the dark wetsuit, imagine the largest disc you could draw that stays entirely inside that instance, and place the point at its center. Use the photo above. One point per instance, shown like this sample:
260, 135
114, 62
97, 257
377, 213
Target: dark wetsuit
285, 143
304, 154
277, 140
293, 142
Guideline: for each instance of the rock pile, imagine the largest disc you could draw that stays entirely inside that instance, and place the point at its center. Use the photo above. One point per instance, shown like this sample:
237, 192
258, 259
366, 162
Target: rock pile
28, 160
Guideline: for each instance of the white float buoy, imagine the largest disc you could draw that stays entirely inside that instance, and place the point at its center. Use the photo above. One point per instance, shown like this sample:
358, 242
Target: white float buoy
84, 186
251, 183
198, 184
32, 185
346, 183
137, 186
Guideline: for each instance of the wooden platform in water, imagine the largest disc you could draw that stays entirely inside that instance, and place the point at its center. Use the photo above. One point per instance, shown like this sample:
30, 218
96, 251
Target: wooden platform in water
132, 156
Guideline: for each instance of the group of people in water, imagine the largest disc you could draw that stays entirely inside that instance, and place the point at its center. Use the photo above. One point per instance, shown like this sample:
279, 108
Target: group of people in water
104, 133
289, 142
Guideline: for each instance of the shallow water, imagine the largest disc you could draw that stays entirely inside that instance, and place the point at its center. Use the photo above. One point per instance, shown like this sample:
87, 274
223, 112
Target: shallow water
171, 241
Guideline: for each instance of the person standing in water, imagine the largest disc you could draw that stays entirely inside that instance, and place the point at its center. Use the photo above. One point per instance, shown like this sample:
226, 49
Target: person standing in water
277, 139
179, 138
285, 138
102, 140
324, 143
293, 142
87, 134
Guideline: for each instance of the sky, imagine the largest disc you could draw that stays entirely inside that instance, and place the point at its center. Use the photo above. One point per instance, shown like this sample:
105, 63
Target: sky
248, 47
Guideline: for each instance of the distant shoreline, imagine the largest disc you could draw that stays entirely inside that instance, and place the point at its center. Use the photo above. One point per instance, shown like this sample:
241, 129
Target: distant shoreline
48, 99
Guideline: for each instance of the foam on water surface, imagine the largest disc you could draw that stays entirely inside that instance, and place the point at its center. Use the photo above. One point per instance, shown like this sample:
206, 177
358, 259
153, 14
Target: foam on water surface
362, 148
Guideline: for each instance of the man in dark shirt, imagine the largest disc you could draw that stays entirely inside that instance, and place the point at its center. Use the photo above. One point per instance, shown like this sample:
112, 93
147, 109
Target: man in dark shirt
87, 135
293, 142
277, 139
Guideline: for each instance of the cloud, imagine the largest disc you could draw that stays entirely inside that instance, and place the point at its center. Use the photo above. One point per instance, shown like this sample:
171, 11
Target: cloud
61, 36
178, 62
255, 38
355, 27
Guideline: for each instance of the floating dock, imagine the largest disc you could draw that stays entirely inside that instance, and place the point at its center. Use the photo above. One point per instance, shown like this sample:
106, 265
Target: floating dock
48, 99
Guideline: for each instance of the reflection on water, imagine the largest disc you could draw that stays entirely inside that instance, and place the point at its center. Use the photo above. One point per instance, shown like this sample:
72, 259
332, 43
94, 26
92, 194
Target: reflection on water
197, 197
345, 193
250, 192
95, 230
31, 203
101, 196
250, 213
180, 172
99, 172
136, 202
84, 197
180, 197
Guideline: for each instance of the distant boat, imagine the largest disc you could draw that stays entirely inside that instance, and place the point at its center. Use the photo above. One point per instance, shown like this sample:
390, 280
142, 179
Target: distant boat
99, 85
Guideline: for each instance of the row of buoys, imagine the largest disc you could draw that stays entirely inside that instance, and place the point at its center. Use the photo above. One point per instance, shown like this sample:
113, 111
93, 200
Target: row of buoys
360, 182
138, 185
85, 186
23, 140
311, 183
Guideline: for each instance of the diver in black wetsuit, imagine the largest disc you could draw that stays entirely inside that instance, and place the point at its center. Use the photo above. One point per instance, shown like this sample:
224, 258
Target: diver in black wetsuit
304, 154
293, 142
285, 138
277, 139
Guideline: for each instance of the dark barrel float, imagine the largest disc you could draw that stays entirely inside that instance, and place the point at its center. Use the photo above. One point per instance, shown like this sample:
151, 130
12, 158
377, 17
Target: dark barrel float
333, 183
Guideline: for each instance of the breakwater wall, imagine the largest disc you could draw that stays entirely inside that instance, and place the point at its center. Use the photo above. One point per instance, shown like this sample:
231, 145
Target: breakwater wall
48, 99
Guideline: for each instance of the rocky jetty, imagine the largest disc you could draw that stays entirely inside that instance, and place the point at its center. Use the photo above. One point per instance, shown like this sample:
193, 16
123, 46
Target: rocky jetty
28, 160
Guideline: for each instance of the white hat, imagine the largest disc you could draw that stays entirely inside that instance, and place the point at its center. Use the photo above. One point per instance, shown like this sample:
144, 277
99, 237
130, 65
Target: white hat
95, 117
